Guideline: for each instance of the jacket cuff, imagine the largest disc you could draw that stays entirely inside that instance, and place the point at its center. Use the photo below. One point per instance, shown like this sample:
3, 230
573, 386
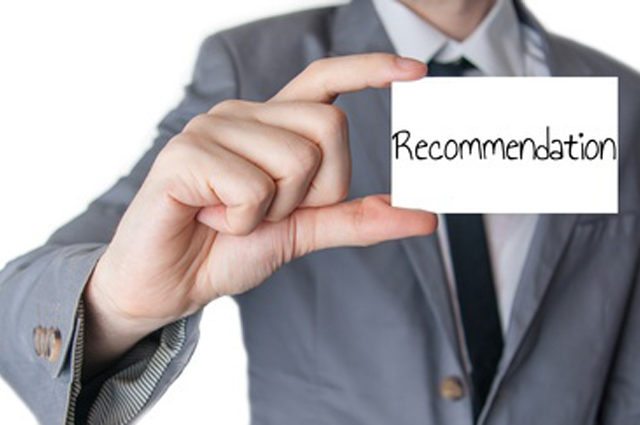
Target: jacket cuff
57, 307
39, 296
130, 385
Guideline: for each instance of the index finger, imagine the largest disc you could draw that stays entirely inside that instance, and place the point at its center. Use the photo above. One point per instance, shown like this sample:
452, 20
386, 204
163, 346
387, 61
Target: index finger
324, 79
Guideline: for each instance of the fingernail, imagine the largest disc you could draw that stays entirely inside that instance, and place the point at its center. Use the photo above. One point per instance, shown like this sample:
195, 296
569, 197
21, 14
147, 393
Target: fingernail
409, 64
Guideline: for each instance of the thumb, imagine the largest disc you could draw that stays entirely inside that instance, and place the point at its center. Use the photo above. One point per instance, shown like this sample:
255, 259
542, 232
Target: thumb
360, 222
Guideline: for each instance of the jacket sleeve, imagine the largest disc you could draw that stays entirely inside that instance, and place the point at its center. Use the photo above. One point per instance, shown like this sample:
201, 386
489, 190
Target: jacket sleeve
41, 311
621, 400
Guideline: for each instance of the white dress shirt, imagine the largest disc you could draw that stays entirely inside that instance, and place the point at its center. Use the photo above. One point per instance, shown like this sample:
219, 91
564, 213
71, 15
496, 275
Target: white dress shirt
500, 46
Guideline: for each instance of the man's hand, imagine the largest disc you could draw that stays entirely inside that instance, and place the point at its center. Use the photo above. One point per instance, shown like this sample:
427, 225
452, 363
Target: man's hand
242, 190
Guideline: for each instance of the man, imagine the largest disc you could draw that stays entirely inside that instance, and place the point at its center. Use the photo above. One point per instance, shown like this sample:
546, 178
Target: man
502, 320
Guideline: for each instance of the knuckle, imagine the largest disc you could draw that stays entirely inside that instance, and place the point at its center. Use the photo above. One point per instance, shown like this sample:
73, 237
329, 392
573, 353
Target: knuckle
180, 150
335, 124
302, 158
316, 65
320, 68
198, 123
275, 216
339, 193
307, 158
174, 147
259, 191
241, 227
334, 193
336, 116
225, 107
359, 210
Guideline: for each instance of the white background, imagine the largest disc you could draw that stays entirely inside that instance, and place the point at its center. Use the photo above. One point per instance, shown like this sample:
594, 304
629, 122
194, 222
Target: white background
82, 85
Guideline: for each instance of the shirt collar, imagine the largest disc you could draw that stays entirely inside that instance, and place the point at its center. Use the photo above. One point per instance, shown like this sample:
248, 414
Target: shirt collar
495, 47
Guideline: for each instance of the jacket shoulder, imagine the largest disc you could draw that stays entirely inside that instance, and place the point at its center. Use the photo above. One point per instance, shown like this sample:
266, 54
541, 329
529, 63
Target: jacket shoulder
600, 64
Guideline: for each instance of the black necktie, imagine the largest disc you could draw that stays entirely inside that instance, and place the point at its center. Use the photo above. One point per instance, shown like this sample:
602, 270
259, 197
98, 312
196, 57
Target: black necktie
449, 69
474, 281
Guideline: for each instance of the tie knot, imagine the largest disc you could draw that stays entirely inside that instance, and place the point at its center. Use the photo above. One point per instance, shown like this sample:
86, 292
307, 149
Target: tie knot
449, 69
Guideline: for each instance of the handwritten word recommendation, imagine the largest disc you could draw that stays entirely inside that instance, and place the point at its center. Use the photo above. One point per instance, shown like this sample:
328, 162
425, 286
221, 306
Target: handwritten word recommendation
506, 145
573, 147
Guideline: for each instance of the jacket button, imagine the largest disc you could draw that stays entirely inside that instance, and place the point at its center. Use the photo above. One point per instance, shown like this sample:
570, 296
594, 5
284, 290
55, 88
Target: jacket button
54, 345
452, 388
47, 343
38, 340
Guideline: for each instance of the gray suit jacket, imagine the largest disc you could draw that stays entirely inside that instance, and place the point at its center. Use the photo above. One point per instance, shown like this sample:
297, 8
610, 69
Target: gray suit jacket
358, 335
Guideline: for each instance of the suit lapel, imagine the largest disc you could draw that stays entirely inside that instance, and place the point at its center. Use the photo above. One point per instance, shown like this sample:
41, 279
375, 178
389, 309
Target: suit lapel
545, 252
357, 29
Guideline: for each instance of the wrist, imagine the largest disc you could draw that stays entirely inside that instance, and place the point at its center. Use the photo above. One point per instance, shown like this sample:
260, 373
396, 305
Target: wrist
110, 331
